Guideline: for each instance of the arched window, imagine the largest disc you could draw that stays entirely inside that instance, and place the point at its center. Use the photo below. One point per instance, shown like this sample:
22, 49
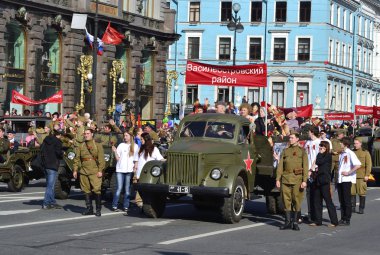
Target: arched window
15, 66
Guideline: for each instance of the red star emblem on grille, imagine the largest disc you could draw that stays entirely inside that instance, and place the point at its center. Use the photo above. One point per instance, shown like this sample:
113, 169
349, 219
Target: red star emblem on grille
248, 163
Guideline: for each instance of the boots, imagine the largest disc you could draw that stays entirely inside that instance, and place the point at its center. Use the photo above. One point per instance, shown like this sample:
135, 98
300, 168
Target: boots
288, 223
295, 221
98, 202
361, 204
89, 209
353, 203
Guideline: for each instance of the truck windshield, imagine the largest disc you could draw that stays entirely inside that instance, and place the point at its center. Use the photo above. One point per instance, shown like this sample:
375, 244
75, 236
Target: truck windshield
208, 129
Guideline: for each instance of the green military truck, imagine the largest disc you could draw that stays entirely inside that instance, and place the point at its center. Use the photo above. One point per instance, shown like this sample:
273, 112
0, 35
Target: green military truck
16, 171
216, 159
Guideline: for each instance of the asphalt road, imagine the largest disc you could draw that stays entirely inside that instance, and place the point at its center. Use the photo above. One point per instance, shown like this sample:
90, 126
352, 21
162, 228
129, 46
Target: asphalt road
26, 229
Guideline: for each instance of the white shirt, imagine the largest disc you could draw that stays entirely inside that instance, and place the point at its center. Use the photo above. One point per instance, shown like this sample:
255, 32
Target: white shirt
156, 155
125, 162
312, 149
347, 160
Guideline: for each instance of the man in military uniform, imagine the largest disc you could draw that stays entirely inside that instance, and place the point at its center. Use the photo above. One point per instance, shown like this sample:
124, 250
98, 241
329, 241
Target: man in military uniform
107, 138
292, 173
362, 174
4, 146
90, 159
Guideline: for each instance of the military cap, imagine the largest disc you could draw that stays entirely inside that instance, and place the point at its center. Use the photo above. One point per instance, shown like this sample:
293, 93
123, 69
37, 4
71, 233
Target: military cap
339, 132
11, 132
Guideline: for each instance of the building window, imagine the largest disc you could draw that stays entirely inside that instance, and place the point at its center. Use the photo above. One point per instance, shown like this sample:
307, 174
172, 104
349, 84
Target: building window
253, 95
193, 48
224, 48
330, 51
226, 11
255, 49
256, 11
338, 16
191, 94
194, 12
337, 53
349, 57
302, 87
278, 93
223, 94
303, 49
343, 55
305, 11
360, 25
344, 20
370, 63
332, 8
365, 61
350, 22
279, 49
281, 11
358, 64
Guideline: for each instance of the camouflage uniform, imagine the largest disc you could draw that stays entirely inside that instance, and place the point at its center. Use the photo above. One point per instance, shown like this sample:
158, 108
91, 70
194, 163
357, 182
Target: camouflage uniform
4, 148
292, 170
360, 187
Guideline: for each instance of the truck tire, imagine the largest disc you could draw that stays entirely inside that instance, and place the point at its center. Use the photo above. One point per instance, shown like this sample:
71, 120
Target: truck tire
62, 188
233, 206
16, 183
154, 205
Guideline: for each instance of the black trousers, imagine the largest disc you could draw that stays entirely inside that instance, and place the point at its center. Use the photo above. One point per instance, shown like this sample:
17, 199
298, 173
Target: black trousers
309, 200
320, 193
344, 193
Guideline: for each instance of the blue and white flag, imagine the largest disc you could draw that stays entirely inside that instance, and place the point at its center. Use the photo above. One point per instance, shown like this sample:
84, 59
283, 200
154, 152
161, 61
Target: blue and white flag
90, 40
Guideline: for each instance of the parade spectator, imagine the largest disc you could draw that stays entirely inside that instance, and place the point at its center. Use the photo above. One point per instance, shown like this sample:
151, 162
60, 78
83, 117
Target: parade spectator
220, 107
312, 149
244, 100
260, 122
362, 174
126, 155
255, 113
52, 153
245, 109
323, 137
348, 164
231, 109
321, 186
30, 139
13, 143
292, 121
48, 114
147, 152
149, 128
137, 132
26, 112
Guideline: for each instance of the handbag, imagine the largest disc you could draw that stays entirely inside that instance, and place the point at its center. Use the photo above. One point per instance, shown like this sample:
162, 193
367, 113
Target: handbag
371, 178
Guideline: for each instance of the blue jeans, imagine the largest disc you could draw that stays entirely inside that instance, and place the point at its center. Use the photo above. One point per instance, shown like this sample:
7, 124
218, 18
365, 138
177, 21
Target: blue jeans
123, 179
51, 177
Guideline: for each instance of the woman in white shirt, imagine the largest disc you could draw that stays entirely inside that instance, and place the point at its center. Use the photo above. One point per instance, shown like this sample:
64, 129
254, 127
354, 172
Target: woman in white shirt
147, 152
127, 156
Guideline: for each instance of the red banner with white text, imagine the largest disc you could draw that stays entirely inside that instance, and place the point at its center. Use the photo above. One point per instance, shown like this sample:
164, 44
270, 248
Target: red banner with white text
302, 111
363, 110
376, 112
243, 75
18, 98
339, 116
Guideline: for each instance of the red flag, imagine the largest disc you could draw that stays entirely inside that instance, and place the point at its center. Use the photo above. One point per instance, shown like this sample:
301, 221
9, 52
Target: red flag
18, 98
363, 110
302, 111
376, 112
339, 116
112, 36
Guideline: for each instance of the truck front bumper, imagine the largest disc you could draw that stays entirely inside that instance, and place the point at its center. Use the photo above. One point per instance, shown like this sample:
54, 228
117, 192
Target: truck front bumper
194, 190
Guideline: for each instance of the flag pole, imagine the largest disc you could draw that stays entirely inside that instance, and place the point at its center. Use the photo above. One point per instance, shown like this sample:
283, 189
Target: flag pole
95, 60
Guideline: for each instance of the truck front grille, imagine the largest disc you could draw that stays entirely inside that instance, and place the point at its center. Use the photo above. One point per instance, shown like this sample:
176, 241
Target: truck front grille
182, 168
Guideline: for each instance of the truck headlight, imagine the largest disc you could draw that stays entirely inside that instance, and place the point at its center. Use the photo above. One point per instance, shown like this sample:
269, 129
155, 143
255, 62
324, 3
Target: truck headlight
155, 171
216, 174
71, 155
106, 157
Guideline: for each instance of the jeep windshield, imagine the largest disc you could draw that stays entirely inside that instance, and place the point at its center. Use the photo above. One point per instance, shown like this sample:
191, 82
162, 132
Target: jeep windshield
210, 129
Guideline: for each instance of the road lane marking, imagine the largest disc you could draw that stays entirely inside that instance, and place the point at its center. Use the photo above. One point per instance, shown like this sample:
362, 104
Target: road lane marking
377, 199
57, 220
22, 199
3, 213
152, 223
99, 231
183, 239
20, 193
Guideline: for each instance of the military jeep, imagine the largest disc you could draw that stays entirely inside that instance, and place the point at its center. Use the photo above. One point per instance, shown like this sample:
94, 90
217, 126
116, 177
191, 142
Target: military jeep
16, 171
215, 159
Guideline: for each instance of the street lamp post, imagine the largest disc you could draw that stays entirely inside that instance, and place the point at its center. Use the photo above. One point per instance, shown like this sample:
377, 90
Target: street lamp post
236, 26
175, 91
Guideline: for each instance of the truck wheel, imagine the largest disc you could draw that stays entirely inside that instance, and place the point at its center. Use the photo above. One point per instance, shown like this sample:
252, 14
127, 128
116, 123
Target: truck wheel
271, 204
233, 206
154, 205
16, 183
62, 188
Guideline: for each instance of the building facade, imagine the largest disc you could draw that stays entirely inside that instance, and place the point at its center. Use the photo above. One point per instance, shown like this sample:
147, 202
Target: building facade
40, 54
325, 50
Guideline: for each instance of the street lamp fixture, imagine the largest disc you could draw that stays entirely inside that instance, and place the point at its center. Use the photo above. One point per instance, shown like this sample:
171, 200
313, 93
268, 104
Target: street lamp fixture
236, 26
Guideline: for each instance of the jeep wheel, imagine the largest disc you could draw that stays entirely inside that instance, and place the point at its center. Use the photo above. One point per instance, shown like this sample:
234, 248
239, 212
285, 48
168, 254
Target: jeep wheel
233, 207
62, 188
16, 183
154, 205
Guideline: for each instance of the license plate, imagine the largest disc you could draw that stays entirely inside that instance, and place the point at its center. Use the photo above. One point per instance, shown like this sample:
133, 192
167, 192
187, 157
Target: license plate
179, 189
